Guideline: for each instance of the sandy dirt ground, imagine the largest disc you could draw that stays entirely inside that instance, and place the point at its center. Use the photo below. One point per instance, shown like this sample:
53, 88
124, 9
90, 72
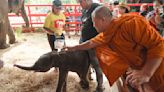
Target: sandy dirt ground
28, 49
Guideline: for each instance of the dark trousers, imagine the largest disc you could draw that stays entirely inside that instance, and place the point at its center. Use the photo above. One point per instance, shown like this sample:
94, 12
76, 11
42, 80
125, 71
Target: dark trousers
52, 39
95, 64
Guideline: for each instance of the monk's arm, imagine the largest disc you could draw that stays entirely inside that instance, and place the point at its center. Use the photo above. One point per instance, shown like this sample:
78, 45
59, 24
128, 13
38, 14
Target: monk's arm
151, 65
92, 43
145, 35
151, 39
137, 77
83, 46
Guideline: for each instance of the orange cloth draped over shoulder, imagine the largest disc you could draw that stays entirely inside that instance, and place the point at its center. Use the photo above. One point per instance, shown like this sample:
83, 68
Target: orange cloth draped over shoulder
127, 42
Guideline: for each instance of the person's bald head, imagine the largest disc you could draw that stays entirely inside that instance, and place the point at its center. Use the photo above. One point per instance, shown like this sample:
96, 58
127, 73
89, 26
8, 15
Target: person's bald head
102, 12
101, 18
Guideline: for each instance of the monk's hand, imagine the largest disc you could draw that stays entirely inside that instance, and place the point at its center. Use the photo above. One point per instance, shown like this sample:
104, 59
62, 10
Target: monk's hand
69, 48
136, 78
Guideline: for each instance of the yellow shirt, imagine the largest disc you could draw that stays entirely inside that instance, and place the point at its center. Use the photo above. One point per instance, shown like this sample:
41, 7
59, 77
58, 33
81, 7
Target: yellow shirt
55, 23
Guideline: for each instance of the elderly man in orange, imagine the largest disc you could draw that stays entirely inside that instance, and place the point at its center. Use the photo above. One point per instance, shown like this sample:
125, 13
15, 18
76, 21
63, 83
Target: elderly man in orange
127, 45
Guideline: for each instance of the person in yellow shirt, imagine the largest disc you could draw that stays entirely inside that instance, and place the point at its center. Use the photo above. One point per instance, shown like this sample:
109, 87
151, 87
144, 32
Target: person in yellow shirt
54, 24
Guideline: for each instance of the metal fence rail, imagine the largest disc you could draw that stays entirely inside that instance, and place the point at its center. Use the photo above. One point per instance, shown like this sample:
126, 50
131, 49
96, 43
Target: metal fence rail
37, 13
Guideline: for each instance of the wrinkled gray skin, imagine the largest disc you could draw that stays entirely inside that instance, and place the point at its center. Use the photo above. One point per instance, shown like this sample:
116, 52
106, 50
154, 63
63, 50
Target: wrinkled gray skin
17, 6
5, 28
77, 61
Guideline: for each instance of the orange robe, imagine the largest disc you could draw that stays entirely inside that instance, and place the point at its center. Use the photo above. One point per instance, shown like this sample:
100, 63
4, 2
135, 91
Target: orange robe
129, 41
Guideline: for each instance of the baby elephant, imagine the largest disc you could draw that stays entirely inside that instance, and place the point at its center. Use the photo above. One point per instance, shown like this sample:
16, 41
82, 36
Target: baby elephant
77, 61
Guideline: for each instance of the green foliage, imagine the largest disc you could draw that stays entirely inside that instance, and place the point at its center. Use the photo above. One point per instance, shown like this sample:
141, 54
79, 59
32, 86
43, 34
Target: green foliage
18, 31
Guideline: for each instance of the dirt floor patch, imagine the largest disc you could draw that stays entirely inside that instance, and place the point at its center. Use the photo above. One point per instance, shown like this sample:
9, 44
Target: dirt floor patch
16, 80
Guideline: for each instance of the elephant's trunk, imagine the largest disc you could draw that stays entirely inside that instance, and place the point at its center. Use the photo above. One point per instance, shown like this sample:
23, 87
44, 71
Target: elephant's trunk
24, 67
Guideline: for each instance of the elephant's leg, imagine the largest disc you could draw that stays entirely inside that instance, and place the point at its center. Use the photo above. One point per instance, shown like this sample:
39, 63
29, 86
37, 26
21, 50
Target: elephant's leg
65, 84
83, 79
3, 29
10, 33
62, 80
3, 23
24, 15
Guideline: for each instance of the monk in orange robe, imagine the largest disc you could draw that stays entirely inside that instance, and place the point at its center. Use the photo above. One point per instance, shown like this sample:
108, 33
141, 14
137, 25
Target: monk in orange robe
130, 45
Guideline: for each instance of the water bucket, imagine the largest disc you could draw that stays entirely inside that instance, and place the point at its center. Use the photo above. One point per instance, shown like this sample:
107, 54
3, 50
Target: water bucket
59, 44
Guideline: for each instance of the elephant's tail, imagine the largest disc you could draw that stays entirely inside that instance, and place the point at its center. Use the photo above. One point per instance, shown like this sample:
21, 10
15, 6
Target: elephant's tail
23, 67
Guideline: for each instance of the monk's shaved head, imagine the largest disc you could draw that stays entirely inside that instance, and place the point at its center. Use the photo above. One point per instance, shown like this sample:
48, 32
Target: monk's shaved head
101, 18
102, 12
